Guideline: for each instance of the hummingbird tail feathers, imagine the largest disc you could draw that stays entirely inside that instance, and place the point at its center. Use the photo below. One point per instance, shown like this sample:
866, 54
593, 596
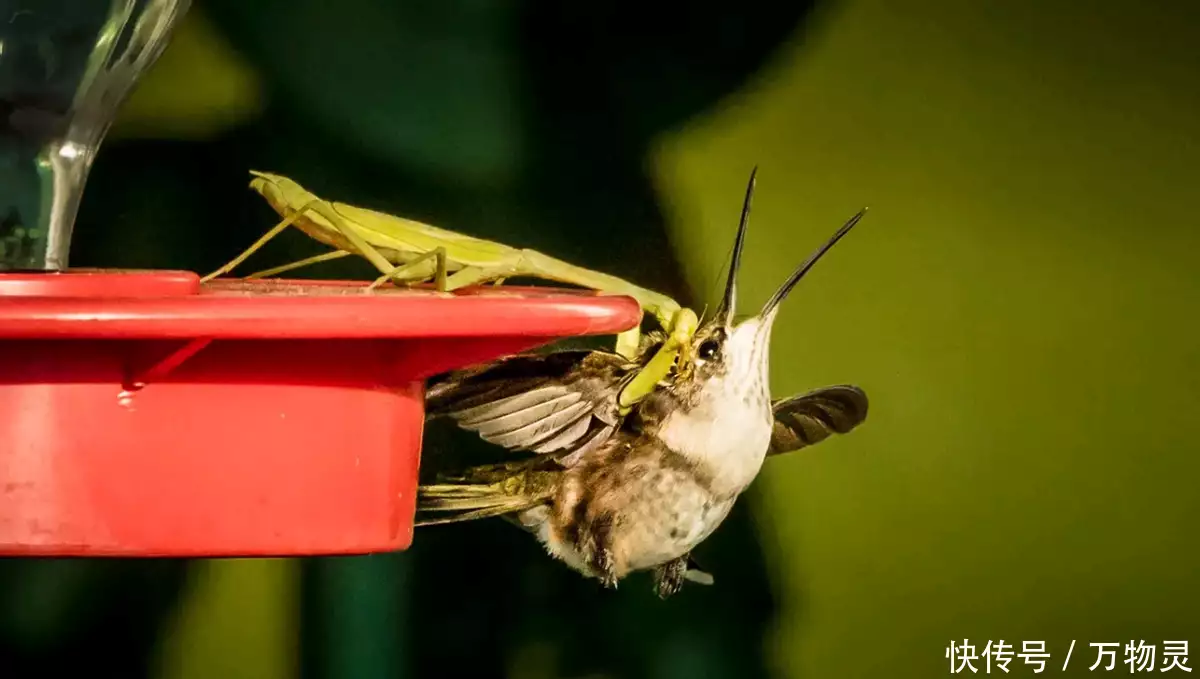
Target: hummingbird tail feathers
454, 502
457, 511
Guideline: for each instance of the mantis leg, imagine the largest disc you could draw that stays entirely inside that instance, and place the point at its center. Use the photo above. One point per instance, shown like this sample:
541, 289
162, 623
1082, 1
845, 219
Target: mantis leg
680, 323
663, 308
522, 265
646, 381
473, 275
628, 341
675, 352
325, 209
336, 254
233, 263
438, 254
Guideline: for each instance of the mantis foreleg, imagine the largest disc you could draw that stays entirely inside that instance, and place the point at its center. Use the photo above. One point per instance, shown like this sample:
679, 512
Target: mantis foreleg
675, 351
628, 342
679, 323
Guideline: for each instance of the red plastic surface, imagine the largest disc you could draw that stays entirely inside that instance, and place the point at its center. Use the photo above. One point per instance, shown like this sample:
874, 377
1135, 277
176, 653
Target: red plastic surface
142, 414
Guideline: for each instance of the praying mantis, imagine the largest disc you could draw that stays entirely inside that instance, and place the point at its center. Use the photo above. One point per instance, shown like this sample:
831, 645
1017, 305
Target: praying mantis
406, 252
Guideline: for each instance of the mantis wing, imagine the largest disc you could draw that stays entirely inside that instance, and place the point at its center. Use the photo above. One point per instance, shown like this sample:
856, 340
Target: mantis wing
810, 418
552, 403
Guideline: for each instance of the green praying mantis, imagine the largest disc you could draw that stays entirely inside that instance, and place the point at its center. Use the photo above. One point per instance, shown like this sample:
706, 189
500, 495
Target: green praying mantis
408, 252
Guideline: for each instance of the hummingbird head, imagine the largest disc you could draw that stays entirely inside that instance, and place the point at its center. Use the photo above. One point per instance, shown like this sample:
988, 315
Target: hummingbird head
723, 417
735, 353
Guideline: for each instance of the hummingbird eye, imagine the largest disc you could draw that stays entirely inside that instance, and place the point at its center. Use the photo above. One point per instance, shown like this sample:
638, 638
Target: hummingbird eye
708, 349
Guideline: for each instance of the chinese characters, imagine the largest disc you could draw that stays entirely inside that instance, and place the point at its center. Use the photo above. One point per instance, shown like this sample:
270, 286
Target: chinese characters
1138, 656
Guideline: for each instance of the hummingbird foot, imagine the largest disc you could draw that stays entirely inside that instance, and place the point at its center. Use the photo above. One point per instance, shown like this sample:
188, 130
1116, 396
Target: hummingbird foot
605, 568
603, 561
669, 577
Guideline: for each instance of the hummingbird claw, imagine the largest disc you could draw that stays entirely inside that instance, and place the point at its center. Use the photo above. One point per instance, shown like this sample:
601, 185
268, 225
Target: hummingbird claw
603, 564
669, 577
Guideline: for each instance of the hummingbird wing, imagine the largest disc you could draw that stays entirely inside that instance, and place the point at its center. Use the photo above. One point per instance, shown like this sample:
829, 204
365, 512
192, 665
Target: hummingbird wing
561, 402
810, 418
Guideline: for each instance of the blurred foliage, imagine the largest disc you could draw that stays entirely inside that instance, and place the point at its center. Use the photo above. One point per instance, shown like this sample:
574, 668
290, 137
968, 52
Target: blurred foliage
75, 617
198, 89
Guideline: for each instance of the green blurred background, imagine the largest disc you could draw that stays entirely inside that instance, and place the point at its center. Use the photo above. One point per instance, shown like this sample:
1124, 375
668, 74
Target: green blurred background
1020, 305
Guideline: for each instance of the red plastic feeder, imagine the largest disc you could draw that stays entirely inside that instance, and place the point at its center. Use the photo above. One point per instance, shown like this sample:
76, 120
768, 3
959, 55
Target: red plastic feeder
142, 414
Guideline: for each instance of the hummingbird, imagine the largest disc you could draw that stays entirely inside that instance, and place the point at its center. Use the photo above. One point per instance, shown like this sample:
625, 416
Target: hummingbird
609, 491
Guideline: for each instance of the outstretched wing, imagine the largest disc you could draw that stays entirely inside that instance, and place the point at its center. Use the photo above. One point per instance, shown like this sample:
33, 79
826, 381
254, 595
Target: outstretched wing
810, 418
544, 403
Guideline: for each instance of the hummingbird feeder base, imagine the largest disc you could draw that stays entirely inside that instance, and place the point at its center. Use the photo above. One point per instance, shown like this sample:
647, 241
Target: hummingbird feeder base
144, 414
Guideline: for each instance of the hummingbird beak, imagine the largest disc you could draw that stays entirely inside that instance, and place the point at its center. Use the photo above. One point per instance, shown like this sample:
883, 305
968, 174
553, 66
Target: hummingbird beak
772, 306
729, 300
